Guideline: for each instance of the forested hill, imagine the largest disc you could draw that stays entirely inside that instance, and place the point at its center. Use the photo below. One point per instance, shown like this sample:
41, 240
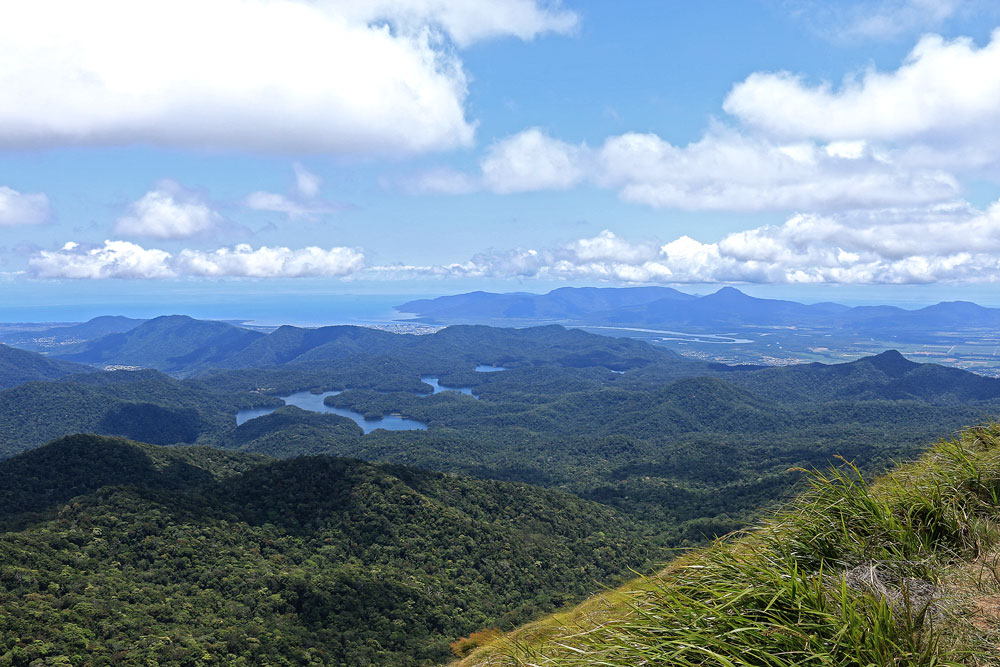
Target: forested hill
135, 404
129, 554
184, 346
20, 366
887, 376
167, 343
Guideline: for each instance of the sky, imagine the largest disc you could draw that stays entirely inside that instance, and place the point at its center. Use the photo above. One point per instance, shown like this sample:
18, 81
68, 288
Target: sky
163, 155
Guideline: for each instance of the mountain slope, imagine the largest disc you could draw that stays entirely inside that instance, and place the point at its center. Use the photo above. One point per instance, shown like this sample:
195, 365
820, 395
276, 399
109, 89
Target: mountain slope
311, 561
135, 404
848, 574
60, 337
169, 343
289, 344
20, 366
887, 376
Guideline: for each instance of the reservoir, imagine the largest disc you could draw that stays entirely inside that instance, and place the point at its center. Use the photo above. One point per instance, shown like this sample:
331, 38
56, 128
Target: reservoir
314, 403
486, 368
433, 381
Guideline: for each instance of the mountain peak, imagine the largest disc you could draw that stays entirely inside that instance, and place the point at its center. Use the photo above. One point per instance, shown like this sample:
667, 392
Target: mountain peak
891, 362
728, 295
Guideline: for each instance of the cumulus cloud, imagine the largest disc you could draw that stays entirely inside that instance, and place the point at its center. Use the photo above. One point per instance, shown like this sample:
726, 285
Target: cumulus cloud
168, 212
953, 242
272, 75
115, 259
900, 137
944, 90
18, 208
122, 259
725, 170
531, 160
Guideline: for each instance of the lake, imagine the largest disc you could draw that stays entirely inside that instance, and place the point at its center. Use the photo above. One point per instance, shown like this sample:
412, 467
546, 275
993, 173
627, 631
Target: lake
307, 400
433, 381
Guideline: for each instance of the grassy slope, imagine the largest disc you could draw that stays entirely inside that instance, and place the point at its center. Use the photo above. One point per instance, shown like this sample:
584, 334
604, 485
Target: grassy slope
902, 571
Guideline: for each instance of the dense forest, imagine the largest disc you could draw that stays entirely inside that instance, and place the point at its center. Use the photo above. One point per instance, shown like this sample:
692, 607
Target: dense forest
690, 448
122, 553
295, 538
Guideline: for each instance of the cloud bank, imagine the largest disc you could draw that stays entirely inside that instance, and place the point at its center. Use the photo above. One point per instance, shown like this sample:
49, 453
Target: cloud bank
950, 243
123, 259
263, 75
725, 170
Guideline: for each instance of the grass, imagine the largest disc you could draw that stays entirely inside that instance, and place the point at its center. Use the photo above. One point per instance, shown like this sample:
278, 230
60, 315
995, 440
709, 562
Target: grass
904, 571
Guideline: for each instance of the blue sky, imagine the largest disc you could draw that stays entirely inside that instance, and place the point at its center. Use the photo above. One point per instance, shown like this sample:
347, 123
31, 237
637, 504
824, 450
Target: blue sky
189, 153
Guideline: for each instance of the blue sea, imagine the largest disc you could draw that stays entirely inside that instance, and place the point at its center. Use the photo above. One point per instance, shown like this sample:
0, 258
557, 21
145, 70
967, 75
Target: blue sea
258, 307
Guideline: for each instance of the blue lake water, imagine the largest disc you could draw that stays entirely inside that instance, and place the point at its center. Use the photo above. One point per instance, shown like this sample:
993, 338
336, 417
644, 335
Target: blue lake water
486, 368
314, 403
433, 381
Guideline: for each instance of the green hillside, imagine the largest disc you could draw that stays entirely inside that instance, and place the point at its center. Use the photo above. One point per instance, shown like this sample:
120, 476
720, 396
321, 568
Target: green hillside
898, 572
171, 343
132, 554
20, 366
144, 405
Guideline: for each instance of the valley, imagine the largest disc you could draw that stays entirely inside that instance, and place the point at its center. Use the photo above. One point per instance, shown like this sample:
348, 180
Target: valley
371, 479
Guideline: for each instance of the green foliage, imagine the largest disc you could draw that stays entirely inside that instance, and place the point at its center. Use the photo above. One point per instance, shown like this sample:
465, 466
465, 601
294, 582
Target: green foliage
136, 404
19, 366
181, 556
846, 575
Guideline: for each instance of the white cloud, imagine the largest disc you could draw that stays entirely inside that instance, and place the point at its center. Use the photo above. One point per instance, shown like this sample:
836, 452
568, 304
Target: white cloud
900, 137
944, 91
18, 208
948, 243
274, 75
116, 259
725, 170
464, 21
531, 160
168, 212
243, 261
122, 259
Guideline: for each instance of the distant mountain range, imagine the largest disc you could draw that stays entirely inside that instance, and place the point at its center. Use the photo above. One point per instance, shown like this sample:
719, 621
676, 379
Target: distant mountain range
666, 307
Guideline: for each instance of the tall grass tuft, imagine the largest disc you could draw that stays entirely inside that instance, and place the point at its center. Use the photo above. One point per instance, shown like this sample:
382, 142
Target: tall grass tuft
847, 575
